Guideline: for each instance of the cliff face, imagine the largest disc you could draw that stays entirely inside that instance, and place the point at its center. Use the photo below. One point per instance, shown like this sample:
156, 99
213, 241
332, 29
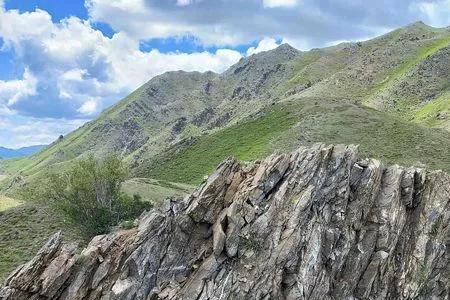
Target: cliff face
319, 223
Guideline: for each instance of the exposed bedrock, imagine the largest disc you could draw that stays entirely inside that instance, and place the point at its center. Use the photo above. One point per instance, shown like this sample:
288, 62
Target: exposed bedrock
318, 223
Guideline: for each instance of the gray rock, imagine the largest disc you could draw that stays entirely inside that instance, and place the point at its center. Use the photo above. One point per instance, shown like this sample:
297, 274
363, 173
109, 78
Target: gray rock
318, 223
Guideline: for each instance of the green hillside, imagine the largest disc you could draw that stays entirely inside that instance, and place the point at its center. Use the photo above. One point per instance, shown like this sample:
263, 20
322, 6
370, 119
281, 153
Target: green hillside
23, 231
400, 73
286, 126
390, 95
25, 227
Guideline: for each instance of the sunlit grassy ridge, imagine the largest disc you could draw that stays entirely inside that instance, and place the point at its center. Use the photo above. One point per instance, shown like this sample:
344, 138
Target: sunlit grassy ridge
247, 140
422, 53
415, 80
430, 113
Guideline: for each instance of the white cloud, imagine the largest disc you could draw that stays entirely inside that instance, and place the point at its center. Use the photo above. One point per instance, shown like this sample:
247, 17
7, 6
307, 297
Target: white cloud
436, 13
25, 131
265, 44
13, 91
15, 26
74, 63
89, 107
183, 2
279, 3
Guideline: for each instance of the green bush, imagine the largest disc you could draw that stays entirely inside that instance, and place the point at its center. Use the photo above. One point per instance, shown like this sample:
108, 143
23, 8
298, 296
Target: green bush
89, 193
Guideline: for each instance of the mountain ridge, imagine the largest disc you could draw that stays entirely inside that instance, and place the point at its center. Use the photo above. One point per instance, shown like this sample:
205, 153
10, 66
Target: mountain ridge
6, 153
177, 107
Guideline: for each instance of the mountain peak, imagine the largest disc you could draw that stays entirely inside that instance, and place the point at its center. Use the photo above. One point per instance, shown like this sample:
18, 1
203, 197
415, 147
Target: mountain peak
419, 25
280, 54
286, 47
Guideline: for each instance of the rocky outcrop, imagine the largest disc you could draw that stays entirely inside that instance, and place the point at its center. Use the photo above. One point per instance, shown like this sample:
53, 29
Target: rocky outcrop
319, 223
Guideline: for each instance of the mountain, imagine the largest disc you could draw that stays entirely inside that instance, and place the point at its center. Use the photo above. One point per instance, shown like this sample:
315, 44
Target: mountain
394, 84
317, 223
389, 95
6, 153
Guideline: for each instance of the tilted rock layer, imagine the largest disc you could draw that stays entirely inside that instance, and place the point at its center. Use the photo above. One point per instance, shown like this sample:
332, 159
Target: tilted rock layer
319, 223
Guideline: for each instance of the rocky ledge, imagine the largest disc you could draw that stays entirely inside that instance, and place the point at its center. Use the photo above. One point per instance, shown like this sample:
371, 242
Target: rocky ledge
318, 223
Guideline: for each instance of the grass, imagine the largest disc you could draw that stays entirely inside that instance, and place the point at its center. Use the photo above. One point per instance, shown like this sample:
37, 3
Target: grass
245, 140
382, 136
428, 114
421, 54
155, 190
6, 203
23, 231
24, 228
409, 64
288, 125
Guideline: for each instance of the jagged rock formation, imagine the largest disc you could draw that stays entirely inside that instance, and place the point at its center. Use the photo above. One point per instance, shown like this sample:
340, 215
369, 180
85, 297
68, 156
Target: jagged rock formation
319, 223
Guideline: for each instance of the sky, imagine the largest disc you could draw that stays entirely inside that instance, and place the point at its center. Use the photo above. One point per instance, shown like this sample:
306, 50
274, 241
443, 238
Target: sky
63, 62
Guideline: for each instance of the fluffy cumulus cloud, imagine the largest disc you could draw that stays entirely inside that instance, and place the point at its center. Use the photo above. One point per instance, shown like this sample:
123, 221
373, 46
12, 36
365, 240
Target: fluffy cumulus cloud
265, 44
71, 71
79, 70
14, 90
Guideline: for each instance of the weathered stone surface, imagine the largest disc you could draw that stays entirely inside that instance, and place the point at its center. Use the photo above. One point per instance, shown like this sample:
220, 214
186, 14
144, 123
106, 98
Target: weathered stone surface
319, 223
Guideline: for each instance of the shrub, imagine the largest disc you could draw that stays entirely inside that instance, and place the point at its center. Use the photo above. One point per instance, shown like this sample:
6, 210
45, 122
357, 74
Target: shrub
89, 193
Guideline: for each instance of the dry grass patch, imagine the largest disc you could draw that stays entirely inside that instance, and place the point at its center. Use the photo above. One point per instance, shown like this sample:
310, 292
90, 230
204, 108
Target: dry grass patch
6, 203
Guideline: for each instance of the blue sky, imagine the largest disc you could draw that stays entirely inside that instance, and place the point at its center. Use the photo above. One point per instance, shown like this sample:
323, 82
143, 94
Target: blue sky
63, 62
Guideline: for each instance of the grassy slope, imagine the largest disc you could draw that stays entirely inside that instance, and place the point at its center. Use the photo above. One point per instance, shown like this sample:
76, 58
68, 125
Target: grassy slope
400, 72
155, 190
379, 135
25, 228
245, 140
6, 203
429, 113
303, 122
23, 231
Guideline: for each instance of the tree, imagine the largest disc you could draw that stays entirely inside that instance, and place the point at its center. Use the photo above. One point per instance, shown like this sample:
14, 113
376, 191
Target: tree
89, 193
